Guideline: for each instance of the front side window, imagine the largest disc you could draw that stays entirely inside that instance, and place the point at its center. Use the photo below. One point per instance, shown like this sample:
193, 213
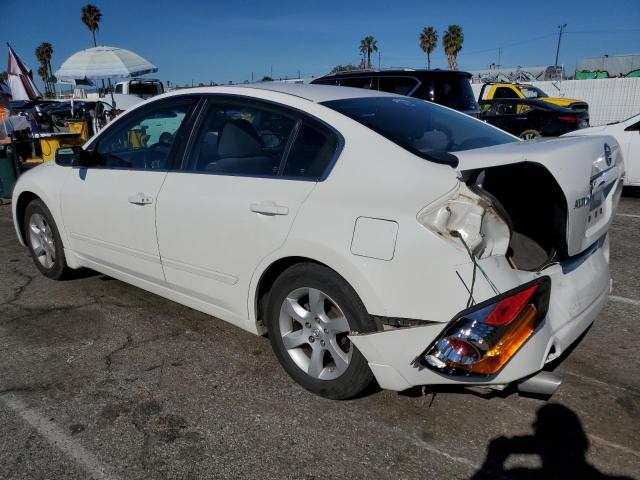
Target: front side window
143, 139
420, 127
237, 138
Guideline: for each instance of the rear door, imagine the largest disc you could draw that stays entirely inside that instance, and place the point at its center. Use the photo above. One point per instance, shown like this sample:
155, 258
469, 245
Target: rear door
248, 168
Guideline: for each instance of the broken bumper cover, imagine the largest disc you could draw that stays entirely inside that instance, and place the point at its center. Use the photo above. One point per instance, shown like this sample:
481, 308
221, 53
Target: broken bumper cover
577, 297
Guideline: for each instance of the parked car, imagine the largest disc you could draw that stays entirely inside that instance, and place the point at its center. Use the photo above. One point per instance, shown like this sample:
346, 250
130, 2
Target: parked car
140, 87
529, 119
445, 87
627, 133
523, 91
370, 234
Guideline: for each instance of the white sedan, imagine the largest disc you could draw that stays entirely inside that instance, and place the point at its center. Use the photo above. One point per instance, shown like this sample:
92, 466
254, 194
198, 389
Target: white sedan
368, 234
627, 133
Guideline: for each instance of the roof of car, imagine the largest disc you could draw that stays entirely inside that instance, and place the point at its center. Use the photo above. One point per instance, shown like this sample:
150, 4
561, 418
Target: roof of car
313, 93
405, 72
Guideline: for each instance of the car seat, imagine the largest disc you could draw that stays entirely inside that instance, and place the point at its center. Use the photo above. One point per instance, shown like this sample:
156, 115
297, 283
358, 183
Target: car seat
240, 151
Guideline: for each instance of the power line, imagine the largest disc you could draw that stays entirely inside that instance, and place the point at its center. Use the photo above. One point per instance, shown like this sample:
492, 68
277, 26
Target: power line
603, 32
514, 44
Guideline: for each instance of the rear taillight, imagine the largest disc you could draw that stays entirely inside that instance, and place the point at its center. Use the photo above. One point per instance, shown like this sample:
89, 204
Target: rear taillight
482, 339
568, 118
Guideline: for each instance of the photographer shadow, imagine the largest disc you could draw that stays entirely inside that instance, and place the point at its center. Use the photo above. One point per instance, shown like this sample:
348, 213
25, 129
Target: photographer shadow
560, 442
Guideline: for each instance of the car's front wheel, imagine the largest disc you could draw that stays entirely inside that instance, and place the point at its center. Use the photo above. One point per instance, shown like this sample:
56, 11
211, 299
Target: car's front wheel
43, 240
310, 313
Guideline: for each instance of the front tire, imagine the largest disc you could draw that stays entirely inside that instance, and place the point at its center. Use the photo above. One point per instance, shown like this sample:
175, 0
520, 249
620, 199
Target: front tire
44, 242
310, 313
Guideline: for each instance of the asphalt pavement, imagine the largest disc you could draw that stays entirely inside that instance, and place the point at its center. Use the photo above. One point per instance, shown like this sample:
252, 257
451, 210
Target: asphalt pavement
99, 379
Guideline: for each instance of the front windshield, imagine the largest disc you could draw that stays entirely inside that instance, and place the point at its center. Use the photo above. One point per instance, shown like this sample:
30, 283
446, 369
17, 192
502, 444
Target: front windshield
421, 127
532, 92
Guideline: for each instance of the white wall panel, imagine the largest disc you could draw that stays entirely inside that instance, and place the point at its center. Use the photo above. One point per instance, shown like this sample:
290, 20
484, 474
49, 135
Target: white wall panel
609, 99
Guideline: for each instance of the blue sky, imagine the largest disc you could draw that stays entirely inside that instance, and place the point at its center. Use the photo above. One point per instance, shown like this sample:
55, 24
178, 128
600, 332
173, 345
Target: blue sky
217, 41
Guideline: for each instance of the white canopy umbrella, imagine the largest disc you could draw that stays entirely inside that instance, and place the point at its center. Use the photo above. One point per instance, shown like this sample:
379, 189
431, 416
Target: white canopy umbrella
104, 63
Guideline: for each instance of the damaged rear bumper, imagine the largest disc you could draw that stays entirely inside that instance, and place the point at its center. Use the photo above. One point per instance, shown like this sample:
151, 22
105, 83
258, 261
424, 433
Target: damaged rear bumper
577, 297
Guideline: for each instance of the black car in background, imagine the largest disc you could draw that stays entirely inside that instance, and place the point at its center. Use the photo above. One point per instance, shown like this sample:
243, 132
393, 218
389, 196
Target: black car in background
445, 87
529, 119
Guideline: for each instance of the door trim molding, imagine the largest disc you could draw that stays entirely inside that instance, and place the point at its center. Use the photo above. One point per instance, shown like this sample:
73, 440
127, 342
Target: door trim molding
203, 272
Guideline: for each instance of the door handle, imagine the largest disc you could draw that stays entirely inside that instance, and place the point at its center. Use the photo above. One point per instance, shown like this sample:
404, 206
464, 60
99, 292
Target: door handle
269, 209
141, 199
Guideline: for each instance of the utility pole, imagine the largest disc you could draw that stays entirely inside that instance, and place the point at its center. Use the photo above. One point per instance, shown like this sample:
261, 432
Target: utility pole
561, 27
378, 59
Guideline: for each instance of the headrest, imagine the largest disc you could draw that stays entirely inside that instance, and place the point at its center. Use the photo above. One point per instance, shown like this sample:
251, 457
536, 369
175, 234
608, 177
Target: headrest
238, 139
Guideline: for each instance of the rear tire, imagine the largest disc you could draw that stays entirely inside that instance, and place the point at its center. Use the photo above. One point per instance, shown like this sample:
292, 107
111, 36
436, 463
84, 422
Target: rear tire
310, 312
530, 134
44, 242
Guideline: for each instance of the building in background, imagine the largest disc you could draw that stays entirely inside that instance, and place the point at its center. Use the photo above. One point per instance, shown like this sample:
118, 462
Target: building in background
518, 74
608, 67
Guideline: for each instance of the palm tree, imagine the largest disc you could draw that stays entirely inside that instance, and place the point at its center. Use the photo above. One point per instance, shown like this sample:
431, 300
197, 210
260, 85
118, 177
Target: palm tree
44, 52
428, 42
91, 16
452, 42
44, 75
368, 45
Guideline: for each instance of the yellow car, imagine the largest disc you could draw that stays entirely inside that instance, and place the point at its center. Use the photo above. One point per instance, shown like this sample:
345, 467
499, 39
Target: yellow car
498, 91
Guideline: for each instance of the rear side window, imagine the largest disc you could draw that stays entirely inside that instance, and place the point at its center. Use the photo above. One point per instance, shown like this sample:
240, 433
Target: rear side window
311, 153
241, 138
356, 82
327, 81
399, 85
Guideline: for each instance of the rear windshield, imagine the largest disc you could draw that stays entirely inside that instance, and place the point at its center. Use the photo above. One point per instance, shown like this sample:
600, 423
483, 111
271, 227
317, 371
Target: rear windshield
421, 127
453, 91
143, 88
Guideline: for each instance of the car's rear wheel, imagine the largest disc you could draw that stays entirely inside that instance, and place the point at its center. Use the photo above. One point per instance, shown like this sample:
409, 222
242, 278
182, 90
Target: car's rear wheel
310, 313
43, 239
530, 134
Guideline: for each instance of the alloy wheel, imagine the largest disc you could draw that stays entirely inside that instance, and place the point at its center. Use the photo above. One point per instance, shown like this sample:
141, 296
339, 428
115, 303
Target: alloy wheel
314, 332
42, 240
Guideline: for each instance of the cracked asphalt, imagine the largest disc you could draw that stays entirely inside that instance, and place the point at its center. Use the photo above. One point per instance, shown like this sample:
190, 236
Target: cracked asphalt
99, 379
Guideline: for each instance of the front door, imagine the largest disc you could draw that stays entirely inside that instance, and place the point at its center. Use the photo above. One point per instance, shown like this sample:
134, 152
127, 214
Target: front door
248, 170
109, 207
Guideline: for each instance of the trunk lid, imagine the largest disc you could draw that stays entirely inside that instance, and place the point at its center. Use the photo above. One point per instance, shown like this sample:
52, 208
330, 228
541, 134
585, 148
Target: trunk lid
590, 201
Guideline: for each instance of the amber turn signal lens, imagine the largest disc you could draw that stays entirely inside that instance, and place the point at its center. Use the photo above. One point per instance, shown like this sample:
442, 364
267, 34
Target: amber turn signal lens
519, 331
483, 338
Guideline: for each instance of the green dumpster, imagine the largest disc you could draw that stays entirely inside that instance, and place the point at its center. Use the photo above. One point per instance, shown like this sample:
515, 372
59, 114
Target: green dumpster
8, 173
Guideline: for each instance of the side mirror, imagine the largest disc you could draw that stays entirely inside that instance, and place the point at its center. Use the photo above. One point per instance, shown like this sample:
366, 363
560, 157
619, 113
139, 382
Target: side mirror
72, 157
